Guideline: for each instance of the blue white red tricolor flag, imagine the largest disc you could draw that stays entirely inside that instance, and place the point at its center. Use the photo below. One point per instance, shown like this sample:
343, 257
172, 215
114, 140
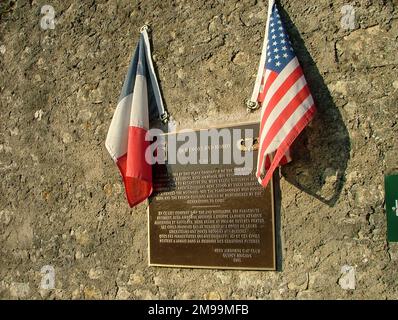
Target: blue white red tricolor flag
139, 103
286, 103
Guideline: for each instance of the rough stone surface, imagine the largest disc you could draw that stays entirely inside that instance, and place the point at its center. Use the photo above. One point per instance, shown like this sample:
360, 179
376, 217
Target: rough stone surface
61, 199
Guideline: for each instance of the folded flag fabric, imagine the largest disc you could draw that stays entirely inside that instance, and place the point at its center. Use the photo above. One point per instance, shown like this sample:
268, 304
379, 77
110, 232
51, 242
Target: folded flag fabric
139, 103
286, 103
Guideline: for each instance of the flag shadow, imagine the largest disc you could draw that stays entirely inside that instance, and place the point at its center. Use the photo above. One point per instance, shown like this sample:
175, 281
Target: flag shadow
321, 153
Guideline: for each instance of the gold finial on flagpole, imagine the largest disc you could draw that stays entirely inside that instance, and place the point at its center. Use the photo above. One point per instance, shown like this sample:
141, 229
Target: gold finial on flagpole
145, 27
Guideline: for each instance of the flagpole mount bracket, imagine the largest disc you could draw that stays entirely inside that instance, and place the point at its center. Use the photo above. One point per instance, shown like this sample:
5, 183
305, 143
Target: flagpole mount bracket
165, 117
252, 105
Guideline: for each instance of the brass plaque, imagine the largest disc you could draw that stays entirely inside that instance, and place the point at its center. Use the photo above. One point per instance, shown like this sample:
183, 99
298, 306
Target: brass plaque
206, 216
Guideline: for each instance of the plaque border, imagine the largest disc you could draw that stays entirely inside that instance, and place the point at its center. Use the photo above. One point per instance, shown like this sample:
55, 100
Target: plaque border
273, 268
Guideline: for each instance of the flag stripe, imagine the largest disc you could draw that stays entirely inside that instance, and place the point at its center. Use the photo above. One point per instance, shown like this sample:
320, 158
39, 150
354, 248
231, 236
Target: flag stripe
135, 171
285, 123
139, 116
278, 82
116, 140
286, 143
282, 97
269, 79
277, 108
288, 89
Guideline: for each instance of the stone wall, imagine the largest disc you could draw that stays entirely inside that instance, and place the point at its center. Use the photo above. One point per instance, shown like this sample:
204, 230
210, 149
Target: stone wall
61, 199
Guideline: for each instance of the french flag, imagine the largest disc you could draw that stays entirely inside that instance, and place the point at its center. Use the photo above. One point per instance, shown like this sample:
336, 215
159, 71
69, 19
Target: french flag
126, 141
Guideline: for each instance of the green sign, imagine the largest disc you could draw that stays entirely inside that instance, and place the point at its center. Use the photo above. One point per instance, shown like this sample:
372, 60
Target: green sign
391, 186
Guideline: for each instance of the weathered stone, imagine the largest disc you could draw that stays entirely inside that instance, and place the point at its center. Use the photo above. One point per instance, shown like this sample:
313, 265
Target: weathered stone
143, 294
391, 161
44, 293
76, 294
300, 282
92, 293
62, 201
339, 88
95, 273
213, 295
240, 58
369, 48
82, 237
84, 115
79, 255
136, 279
5, 217
39, 114
122, 293
19, 290
393, 251
158, 281
67, 138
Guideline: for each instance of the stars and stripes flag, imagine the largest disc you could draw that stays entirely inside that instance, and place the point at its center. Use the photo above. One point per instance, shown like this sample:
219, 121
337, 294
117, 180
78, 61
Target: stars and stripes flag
139, 103
282, 91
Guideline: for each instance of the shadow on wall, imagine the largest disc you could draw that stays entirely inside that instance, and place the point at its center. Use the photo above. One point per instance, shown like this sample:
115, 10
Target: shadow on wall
277, 208
322, 151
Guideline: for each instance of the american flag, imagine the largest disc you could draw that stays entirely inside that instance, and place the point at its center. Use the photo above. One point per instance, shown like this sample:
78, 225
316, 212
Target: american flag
287, 104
